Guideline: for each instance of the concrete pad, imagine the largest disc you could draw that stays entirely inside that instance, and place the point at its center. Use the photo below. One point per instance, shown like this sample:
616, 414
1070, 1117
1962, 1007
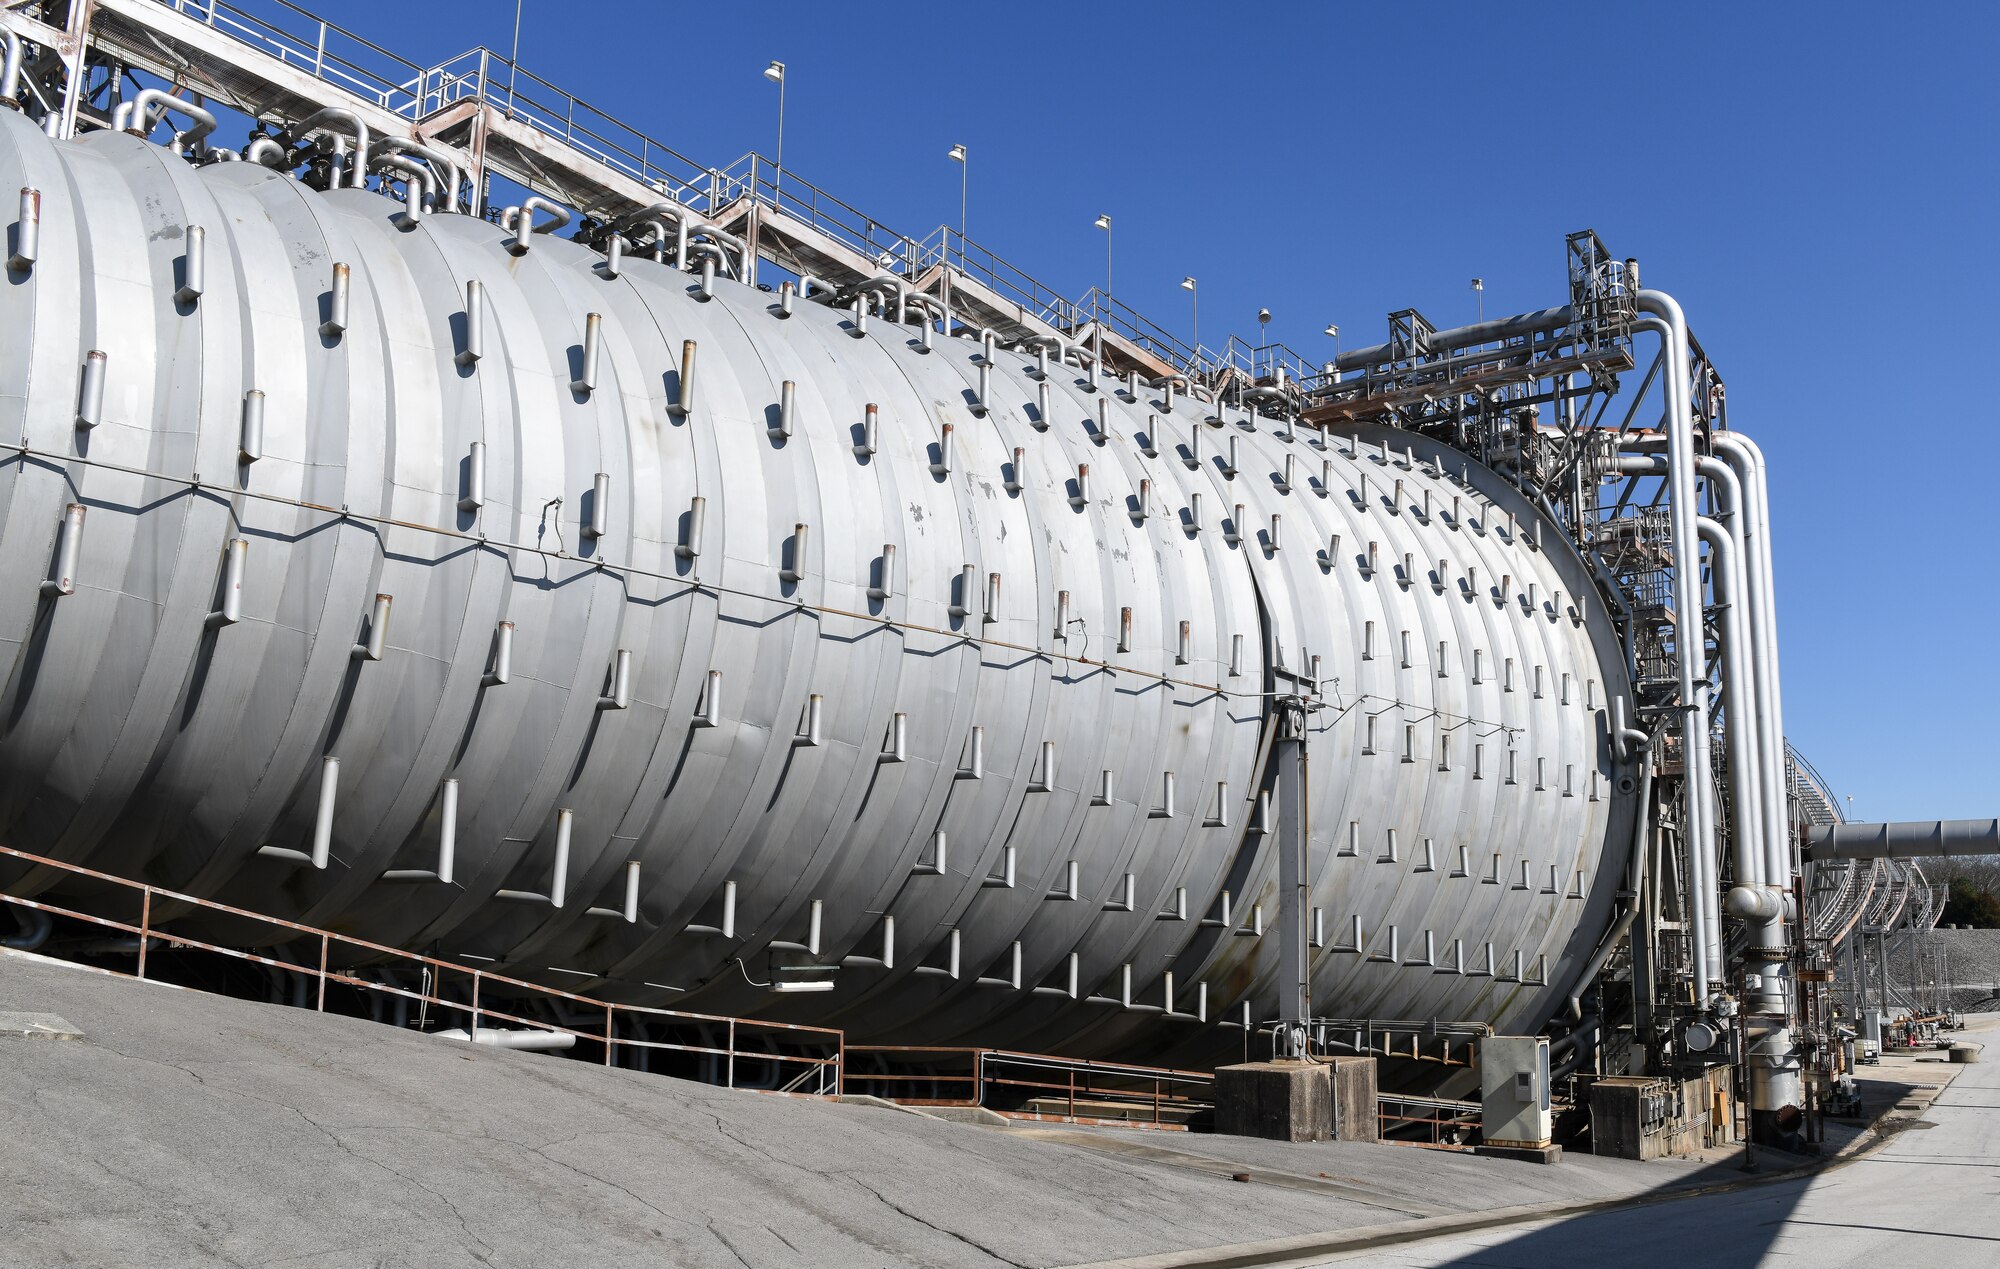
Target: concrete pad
36, 1026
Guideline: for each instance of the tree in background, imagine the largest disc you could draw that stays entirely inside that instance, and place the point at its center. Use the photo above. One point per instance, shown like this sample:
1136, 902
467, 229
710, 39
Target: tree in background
1972, 904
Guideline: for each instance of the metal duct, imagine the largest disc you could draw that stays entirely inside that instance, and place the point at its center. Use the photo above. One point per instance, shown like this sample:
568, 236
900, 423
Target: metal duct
1904, 839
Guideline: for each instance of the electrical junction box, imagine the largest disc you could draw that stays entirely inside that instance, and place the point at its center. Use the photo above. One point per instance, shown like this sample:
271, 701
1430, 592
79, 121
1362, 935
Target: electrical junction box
1514, 1073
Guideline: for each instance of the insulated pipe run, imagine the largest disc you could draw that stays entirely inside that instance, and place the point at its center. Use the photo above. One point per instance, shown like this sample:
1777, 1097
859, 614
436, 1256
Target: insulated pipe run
1737, 657
1752, 679
1467, 336
1749, 665
1666, 318
1903, 840
1747, 461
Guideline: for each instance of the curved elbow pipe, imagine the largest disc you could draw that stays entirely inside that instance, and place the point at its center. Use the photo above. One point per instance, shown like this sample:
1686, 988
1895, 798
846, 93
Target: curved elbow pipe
136, 116
1753, 903
419, 185
522, 221
1061, 347
10, 68
1627, 741
324, 121
268, 152
442, 177
895, 286
726, 241
1597, 962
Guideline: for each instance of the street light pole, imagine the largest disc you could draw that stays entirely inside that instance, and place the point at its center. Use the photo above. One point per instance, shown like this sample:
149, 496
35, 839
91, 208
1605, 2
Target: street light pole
775, 72
1104, 223
963, 157
1479, 294
1194, 307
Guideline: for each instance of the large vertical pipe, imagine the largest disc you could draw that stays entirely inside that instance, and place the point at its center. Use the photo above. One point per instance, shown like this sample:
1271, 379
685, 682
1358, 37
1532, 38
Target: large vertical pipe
1747, 461
1671, 324
1738, 655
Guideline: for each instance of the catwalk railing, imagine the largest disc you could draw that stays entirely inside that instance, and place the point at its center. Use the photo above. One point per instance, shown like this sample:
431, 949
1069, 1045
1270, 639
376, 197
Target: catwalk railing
1029, 1085
800, 1058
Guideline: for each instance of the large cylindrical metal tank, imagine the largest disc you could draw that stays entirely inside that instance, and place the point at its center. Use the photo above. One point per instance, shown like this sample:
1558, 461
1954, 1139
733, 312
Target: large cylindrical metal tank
799, 658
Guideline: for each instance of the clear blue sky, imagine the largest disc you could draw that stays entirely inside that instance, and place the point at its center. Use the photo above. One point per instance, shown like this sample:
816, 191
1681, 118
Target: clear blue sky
1816, 183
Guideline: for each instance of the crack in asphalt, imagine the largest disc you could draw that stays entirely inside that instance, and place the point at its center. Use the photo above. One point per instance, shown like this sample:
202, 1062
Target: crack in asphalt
899, 1209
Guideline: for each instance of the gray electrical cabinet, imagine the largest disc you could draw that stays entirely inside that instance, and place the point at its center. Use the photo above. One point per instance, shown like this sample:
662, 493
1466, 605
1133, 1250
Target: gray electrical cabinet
1514, 1073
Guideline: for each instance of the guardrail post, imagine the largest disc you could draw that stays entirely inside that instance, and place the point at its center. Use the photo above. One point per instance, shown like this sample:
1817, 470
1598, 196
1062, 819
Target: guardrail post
145, 926
608, 1011
732, 1053
322, 974
473, 1030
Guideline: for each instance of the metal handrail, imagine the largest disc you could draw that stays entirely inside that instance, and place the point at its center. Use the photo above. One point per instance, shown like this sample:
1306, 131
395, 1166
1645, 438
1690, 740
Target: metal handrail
1162, 1089
313, 51
416, 92
783, 191
524, 97
829, 1068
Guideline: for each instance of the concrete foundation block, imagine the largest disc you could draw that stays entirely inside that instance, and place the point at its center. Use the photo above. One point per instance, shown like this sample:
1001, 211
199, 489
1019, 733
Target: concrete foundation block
1279, 1101
1356, 1102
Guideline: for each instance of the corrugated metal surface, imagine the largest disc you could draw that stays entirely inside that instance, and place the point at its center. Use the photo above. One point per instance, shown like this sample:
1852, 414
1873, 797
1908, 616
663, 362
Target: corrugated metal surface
139, 738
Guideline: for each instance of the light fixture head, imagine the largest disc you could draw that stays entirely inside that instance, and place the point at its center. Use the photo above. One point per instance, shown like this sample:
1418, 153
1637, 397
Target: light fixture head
1479, 284
775, 72
1103, 222
1332, 330
1187, 284
1263, 317
957, 154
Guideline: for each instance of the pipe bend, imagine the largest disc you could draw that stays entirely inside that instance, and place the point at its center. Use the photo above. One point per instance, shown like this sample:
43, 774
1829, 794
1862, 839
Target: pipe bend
1753, 903
136, 116
521, 220
10, 68
443, 177
323, 120
420, 185
267, 152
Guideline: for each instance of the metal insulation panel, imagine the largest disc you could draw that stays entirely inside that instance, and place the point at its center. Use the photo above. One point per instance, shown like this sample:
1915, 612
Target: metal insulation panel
141, 736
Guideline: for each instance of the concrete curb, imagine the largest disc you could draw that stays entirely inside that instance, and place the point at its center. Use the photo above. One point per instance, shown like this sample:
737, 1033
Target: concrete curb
1276, 1251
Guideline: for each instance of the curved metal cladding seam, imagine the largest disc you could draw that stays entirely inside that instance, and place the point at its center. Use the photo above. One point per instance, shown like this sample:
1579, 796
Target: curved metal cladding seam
976, 635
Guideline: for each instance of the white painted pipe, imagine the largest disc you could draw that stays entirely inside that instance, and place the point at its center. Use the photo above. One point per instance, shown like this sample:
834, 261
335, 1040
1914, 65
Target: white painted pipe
510, 1038
1747, 461
329, 786
1737, 657
1666, 318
